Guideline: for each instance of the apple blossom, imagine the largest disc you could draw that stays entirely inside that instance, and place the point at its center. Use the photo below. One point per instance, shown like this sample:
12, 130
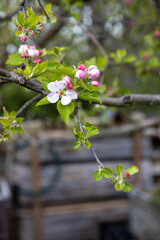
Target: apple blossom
32, 47
19, 28
80, 74
70, 86
58, 91
40, 52
27, 30
66, 80
81, 67
93, 72
32, 34
23, 49
24, 55
156, 34
95, 83
23, 39
33, 53
37, 60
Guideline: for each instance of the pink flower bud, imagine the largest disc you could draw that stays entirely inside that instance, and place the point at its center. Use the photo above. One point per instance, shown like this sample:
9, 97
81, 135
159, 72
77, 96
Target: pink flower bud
25, 55
147, 55
27, 30
19, 28
86, 69
66, 80
70, 86
40, 52
92, 67
23, 39
156, 34
32, 47
94, 73
80, 74
128, 175
41, 25
37, 60
42, 29
127, 2
81, 67
95, 83
32, 34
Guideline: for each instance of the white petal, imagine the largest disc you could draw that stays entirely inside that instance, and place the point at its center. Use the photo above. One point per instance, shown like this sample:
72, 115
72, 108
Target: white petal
52, 86
60, 85
65, 100
92, 67
72, 94
53, 97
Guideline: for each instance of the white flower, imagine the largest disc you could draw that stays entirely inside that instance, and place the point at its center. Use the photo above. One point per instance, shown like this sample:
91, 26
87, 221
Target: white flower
23, 49
33, 53
58, 91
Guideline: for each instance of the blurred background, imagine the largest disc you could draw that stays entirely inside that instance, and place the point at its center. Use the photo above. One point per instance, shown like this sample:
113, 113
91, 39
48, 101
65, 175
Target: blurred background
47, 190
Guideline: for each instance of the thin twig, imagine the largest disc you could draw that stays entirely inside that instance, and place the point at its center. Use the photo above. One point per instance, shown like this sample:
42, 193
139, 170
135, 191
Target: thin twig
43, 9
28, 103
22, 4
81, 128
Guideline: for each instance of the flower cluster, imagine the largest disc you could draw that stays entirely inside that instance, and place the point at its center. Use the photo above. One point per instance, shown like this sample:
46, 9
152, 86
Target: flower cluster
30, 52
92, 73
61, 90
29, 32
126, 175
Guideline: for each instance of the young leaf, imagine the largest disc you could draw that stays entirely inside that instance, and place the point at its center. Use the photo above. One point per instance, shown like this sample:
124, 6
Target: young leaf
132, 170
97, 176
12, 115
43, 101
20, 130
19, 120
118, 169
5, 122
76, 145
87, 144
15, 60
32, 21
127, 187
39, 68
65, 111
107, 172
89, 96
20, 19
119, 186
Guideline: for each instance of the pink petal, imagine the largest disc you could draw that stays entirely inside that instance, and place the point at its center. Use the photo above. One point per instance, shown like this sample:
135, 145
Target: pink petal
72, 94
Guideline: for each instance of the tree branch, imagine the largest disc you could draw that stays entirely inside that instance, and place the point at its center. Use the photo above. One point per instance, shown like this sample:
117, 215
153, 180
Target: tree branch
28, 103
43, 9
81, 128
22, 4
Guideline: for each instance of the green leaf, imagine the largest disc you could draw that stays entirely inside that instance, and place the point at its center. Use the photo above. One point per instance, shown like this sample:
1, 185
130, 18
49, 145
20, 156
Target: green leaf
87, 144
132, 170
67, 71
13, 130
15, 60
107, 172
43, 101
118, 169
20, 19
32, 21
26, 72
76, 145
89, 96
39, 68
127, 187
20, 130
48, 9
119, 186
129, 59
101, 62
97, 176
19, 120
5, 122
12, 115
6, 113
65, 111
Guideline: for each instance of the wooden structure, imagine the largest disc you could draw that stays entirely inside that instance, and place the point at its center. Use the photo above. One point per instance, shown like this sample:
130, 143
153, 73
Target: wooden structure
57, 193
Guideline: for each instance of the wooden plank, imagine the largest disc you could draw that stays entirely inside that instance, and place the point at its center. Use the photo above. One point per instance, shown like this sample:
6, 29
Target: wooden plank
37, 207
75, 221
75, 182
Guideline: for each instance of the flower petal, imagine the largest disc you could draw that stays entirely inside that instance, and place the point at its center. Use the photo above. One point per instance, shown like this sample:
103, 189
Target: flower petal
52, 86
53, 97
60, 85
66, 100
72, 94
